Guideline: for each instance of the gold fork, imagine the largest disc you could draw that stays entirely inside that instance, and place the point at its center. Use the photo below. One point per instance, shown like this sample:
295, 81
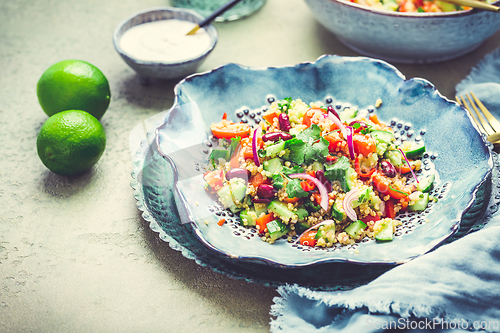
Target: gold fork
483, 118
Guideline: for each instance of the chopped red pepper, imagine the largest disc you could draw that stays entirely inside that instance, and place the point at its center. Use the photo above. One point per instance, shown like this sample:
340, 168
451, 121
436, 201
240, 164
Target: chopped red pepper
389, 209
306, 186
263, 221
308, 238
224, 116
221, 222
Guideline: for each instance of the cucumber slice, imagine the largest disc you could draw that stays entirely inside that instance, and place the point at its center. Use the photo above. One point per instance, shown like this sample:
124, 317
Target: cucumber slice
238, 189
337, 214
327, 232
247, 218
348, 114
260, 208
316, 166
394, 156
273, 165
281, 209
225, 196
383, 136
381, 148
275, 149
355, 229
421, 203
412, 149
277, 229
386, 233
426, 184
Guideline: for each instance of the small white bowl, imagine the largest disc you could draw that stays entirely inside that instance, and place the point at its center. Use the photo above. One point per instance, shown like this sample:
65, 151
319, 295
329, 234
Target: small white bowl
163, 70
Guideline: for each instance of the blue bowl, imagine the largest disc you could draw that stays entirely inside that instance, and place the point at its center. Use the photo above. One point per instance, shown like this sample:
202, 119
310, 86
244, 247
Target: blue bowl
456, 153
405, 37
163, 70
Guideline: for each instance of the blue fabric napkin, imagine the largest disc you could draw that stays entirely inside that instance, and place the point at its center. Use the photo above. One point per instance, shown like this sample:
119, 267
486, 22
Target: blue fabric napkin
455, 288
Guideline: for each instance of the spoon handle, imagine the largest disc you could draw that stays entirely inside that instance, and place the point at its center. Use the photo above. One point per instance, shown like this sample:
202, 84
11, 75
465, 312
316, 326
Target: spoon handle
212, 16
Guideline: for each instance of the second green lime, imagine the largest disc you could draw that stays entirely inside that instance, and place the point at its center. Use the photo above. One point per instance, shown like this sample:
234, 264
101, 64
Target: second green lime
71, 142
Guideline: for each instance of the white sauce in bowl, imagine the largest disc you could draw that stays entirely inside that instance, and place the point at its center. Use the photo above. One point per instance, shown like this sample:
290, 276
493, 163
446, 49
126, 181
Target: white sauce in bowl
165, 41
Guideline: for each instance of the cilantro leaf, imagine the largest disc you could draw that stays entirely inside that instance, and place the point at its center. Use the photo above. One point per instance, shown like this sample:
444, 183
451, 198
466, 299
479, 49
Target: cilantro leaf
278, 181
294, 169
295, 151
295, 190
316, 152
284, 104
225, 153
310, 134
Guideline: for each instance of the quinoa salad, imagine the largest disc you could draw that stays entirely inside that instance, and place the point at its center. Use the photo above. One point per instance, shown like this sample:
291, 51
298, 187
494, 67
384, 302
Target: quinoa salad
311, 175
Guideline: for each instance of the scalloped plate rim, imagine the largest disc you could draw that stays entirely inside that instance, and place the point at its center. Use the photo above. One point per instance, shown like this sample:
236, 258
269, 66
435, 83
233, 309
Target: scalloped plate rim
334, 259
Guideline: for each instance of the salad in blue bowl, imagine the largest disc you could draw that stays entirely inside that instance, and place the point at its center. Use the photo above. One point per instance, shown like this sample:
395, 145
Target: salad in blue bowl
341, 160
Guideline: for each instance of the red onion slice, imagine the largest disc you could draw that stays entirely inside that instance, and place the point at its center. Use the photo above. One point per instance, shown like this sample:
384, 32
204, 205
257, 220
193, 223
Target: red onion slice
256, 133
347, 204
350, 143
337, 122
313, 227
319, 185
409, 166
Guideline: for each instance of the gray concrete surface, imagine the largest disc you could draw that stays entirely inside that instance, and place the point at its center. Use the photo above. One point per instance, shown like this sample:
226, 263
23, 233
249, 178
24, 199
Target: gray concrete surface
75, 254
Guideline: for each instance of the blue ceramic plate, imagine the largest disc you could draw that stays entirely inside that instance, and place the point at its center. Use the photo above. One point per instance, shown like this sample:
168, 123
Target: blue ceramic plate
456, 152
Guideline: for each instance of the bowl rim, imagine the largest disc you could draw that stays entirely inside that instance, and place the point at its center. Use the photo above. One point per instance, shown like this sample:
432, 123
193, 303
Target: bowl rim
408, 14
209, 28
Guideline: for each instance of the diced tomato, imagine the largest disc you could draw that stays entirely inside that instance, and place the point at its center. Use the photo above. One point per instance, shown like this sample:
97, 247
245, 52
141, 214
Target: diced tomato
270, 116
384, 186
221, 222
397, 194
257, 180
226, 129
369, 218
263, 221
291, 200
331, 159
404, 202
389, 209
334, 141
310, 115
374, 119
214, 178
234, 161
404, 168
317, 198
247, 151
307, 239
364, 144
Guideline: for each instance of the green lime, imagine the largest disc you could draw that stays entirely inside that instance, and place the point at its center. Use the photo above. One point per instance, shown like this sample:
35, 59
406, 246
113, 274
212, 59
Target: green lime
73, 85
71, 142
